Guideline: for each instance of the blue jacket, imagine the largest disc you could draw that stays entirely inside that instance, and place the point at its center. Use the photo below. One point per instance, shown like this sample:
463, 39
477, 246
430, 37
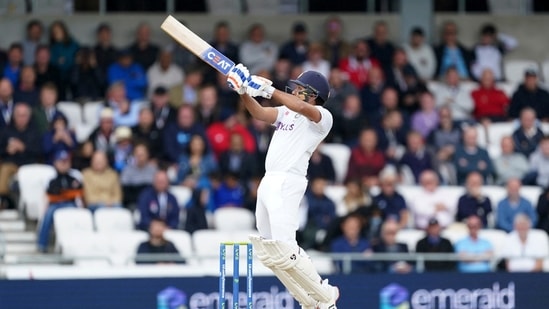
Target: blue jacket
63, 55
466, 163
50, 147
133, 77
224, 195
148, 206
506, 213
176, 140
321, 210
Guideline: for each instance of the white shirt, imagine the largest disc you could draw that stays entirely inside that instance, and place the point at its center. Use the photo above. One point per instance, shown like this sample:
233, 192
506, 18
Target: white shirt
423, 206
294, 140
525, 255
458, 99
487, 57
422, 59
258, 56
157, 77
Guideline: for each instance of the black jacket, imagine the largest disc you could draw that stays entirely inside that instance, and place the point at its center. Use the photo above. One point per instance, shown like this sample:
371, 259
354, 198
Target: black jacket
538, 100
33, 145
443, 246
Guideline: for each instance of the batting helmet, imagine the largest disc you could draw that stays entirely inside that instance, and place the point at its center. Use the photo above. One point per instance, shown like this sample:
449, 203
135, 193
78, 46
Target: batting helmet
315, 83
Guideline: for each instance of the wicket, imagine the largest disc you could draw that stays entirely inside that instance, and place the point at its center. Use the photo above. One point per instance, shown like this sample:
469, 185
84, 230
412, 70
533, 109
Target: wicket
236, 274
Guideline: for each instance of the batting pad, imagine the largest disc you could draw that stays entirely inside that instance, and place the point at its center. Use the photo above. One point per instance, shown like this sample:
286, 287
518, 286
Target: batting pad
301, 269
304, 299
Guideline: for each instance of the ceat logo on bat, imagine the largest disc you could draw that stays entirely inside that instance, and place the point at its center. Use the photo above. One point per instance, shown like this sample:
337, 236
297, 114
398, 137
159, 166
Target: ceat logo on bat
217, 60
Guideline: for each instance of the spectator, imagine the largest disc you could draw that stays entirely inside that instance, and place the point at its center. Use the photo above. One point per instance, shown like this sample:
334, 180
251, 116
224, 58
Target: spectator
397, 71
164, 73
351, 241
420, 54
130, 73
433, 242
453, 94
176, 136
14, 64
219, 134
321, 212
26, 90
490, 50
280, 75
490, 102
145, 132
222, 41
512, 205
20, 144
380, 47
443, 141
539, 163
34, 32
163, 112
209, 106
375, 95
123, 148
335, 46
156, 244
509, 164
349, 122
103, 138
431, 202
341, 88
366, 161
237, 161
196, 164
143, 51
64, 190
315, 60
86, 79
58, 138
187, 93
257, 53
529, 94
63, 48
451, 53
229, 193
81, 158
425, 120
44, 114
522, 251
542, 210
297, 47
392, 135
473, 202
104, 51
262, 133
474, 251
355, 200
416, 159
320, 166
469, 157
389, 244
46, 72
124, 112
6, 102
389, 201
357, 65
157, 202
101, 184
528, 135
137, 175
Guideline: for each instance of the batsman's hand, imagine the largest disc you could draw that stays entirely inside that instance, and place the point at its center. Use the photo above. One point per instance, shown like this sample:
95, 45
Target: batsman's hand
238, 78
260, 87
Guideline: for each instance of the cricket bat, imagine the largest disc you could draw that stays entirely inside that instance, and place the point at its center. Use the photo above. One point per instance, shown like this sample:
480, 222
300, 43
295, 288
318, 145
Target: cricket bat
196, 45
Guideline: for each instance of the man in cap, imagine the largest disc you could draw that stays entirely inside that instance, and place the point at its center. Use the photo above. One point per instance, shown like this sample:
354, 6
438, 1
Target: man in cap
433, 242
530, 94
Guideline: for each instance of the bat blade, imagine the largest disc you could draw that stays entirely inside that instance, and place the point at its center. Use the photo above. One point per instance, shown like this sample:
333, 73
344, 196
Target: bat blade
197, 45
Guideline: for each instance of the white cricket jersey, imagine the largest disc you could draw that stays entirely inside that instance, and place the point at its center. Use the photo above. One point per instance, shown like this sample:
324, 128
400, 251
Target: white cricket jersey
294, 140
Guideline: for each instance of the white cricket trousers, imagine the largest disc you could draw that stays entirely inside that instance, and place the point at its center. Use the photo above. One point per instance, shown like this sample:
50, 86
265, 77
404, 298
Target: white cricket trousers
278, 197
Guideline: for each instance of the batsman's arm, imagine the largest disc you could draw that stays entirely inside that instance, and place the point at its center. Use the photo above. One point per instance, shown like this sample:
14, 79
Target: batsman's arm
267, 114
297, 105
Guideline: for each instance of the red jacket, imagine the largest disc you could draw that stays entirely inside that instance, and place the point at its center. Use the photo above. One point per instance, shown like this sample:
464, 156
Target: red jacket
357, 73
219, 137
363, 164
489, 103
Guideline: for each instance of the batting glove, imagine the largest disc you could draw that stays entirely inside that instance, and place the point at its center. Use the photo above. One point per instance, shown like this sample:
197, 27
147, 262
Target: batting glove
260, 87
238, 78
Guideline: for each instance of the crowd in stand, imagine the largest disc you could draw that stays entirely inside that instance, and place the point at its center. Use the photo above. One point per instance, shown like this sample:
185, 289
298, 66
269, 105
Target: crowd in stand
170, 120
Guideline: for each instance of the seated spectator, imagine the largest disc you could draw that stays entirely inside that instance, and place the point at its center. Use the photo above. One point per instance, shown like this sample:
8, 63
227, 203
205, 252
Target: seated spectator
431, 202
101, 184
157, 202
474, 252
236, 160
451, 53
20, 144
351, 241
397, 71
320, 166
229, 193
443, 141
222, 41
416, 158
164, 73
528, 135
490, 50
321, 212
529, 94
473, 202
420, 54
219, 134
433, 242
357, 65
146, 132
257, 53
349, 122
389, 244
512, 205
196, 164
44, 114
454, 95
122, 149
542, 210
297, 47
63, 48
142, 50
425, 120
58, 138
14, 64
187, 92
389, 201
491, 103
137, 175
46, 72
87, 82
176, 136
335, 46
210, 106
356, 199
125, 113
522, 252
164, 114
26, 90
366, 161
105, 52
315, 60
130, 73
103, 137
34, 31
509, 164
392, 135
539, 163
377, 99
63, 191
156, 244
380, 46
6, 102
469, 157
81, 157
